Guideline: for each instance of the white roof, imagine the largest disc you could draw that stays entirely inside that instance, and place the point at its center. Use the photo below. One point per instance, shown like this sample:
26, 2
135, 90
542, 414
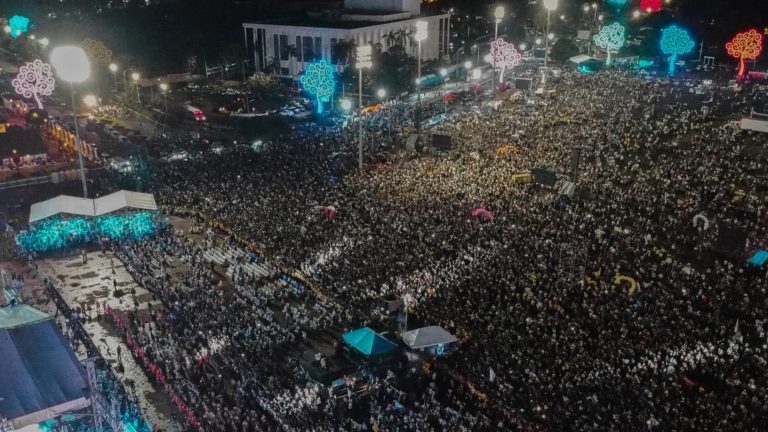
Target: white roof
124, 199
581, 58
427, 336
64, 204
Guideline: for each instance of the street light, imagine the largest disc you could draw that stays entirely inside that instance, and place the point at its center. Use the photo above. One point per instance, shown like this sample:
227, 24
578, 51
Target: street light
7, 29
422, 28
164, 90
499, 14
523, 46
381, 93
551, 36
550, 5
72, 65
364, 61
135, 77
346, 104
467, 65
443, 72
44, 42
90, 101
538, 41
113, 68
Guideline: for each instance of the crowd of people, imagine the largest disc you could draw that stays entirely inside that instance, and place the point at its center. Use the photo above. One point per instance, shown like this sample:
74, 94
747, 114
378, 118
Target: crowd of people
626, 305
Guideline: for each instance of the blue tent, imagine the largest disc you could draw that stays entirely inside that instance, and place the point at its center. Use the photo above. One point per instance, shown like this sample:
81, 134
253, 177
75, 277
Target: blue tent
368, 342
759, 258
40, 376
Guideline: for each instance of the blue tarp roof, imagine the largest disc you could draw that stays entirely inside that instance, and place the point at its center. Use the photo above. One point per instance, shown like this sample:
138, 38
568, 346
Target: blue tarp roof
759, 258
368, 342
38, 370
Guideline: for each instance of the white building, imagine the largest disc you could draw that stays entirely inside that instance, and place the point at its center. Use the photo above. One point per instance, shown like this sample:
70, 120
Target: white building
314, 36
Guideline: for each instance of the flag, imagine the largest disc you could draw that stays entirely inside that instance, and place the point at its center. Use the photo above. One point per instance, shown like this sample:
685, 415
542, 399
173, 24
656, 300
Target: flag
491, 375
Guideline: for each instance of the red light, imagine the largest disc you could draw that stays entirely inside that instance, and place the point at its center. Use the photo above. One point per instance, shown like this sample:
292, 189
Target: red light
745, 46
650, 6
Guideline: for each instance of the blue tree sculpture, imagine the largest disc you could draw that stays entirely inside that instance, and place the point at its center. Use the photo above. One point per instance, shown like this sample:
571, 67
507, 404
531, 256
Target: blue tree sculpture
675, 42
18, 24
318, 81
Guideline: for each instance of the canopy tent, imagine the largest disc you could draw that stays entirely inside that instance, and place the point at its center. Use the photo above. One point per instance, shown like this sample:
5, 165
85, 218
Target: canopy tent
64, 204
585, 62
40, 377
368, 342
426, 337
759, 258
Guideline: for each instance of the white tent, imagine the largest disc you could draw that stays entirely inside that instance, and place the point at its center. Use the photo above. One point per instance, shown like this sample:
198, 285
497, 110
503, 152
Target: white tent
581, 58
426, 337
64, 204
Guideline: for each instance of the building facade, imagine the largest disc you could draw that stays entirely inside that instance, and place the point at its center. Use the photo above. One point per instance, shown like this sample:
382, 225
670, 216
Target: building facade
286, 47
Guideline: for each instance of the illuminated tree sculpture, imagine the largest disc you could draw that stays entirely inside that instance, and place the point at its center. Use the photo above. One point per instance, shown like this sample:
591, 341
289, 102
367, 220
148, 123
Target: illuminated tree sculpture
503, 56
34, 80
318, 81
610, 38
650, 6
675, 42
618, 4
97, 52
18, 24
745, 46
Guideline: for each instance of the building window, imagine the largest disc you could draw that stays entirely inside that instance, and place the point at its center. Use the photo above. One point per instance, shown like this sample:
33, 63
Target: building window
334, 54
276, 51
298, 48
283, 71
283, 47
308, 54
319, 47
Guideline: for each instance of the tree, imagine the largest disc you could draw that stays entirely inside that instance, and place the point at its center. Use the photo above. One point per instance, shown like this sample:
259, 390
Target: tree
503, 56
675, 42
344, 49
34, 80
563, 49
745, 46
97, 52
261, 83
318, 81
610, 38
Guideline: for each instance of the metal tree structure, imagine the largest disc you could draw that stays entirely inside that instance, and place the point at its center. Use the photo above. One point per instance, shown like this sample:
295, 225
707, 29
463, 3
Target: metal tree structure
34, 80
18, 25
650, 6
745, 46
610, 38
97, 52
504, 56
675, 42
318, 81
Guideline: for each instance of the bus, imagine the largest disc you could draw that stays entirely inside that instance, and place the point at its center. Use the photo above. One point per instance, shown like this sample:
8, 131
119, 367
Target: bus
195, 113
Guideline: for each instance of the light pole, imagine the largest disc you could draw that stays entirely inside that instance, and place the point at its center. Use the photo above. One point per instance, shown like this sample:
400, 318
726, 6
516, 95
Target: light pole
135, 77
550, 5
164, 90
72, 65
113, 68
363, 61
422, 28
499, 15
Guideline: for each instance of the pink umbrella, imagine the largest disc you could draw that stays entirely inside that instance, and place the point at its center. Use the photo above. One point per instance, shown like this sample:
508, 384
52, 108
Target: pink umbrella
483, 213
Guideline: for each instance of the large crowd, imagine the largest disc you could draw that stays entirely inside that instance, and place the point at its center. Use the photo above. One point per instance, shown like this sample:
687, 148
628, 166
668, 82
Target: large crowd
620, 307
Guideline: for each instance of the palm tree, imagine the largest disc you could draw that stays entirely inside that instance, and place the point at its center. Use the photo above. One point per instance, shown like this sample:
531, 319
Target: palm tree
344, 49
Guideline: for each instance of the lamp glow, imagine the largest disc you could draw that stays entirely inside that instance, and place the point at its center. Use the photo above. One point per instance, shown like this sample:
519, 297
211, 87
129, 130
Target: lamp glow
346, 104
675, 42
499, 13
467, 65
164, 86
71, 63
113, 67
477, 73
550, 5
443, 72
90, 101
381, 93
